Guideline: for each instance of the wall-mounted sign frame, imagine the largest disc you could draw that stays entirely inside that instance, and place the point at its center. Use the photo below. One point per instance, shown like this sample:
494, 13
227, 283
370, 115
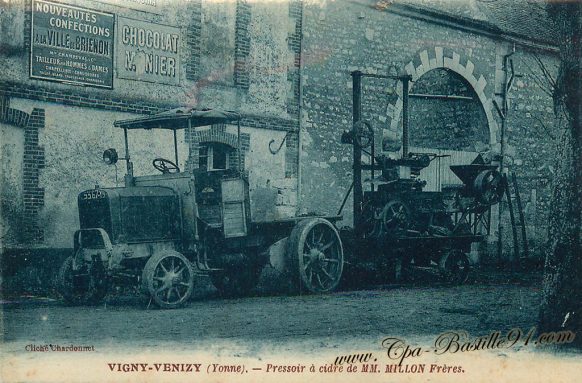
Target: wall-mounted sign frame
148, 51
71, 44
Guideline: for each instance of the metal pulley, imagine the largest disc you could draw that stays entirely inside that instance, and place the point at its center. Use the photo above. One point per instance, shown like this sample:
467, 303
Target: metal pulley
489, 187
396, 217
365, 137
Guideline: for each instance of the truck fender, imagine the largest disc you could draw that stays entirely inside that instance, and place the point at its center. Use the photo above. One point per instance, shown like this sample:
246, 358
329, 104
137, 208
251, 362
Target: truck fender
277, 255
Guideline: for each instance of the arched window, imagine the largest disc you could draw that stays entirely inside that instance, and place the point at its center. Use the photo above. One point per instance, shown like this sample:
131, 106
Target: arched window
215, 156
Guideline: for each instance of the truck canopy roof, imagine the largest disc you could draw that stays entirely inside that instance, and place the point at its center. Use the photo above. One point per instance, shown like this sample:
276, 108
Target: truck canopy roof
178, 119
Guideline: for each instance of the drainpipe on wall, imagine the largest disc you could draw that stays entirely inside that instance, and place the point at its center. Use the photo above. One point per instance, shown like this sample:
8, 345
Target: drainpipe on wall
300, 113
502, 111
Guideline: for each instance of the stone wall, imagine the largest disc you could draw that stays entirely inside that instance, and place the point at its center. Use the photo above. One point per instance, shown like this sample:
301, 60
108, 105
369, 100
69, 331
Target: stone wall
261, 58
532, 132
234, 55
207, 70
341, 38
377, 43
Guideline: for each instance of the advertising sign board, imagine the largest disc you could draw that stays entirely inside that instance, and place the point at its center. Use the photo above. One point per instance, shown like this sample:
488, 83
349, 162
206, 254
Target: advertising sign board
148, 52
71, 44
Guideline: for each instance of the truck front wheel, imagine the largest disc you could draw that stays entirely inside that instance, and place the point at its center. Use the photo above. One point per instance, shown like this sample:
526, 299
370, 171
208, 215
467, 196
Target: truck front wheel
169, 279
86, 286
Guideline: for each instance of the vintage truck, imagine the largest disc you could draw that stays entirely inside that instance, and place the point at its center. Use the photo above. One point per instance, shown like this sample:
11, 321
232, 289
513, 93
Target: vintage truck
163, 231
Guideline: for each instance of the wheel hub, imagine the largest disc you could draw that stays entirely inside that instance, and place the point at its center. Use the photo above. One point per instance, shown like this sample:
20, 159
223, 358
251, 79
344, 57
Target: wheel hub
171, 279
316, 256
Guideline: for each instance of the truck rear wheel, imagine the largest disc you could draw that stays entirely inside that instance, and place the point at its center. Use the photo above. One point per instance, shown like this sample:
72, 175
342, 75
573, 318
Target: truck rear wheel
87, 286
316, 254
169, 279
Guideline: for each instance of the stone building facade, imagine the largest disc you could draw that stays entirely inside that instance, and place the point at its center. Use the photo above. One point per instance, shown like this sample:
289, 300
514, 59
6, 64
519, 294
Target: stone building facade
450, 49
285, 65
234, 55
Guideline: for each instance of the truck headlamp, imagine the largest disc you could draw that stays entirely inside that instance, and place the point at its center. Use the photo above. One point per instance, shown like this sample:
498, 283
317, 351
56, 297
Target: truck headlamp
110, 156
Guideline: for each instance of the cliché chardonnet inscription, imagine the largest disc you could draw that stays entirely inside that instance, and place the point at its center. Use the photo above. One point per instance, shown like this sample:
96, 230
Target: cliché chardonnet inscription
58, 348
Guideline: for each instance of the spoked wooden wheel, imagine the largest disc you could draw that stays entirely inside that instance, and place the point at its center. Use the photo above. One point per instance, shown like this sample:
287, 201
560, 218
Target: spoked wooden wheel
315, 250
86, 286
396, 217
454, 266
168, 278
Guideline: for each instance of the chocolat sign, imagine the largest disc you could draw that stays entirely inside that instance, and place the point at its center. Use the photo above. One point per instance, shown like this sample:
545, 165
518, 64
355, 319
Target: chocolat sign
71, 44
147, 51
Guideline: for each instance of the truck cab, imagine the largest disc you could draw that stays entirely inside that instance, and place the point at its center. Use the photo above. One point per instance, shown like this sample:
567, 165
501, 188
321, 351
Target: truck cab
157, 216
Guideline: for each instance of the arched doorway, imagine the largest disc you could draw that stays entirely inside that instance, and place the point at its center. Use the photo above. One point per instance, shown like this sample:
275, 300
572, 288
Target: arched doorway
446, 117
444, 70
445, 113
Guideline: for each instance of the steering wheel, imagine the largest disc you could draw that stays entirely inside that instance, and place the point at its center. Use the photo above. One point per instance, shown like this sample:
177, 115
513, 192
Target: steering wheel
165, 166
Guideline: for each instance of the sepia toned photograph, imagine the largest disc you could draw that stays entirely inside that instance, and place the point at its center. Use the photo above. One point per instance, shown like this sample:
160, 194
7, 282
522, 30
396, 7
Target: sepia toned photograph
290, 190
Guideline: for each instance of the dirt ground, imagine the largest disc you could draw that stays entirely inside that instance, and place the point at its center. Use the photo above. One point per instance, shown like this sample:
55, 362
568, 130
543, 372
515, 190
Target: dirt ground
492, 301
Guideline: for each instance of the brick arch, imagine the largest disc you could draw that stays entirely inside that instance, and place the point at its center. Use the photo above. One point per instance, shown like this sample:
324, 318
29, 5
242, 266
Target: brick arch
217, 133
220, 137
454, 64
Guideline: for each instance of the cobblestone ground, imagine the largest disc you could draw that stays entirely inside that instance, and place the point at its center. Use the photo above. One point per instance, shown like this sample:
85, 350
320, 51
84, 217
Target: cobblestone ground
491, 302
